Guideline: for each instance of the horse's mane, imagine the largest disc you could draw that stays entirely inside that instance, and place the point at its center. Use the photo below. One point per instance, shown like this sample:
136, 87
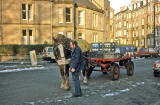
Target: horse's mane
61, 39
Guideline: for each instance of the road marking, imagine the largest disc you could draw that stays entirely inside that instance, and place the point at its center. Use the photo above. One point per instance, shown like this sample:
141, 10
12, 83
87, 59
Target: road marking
18, 70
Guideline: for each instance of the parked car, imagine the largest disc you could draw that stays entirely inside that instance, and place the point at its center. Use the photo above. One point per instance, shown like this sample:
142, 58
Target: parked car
156, 68
147, 52
48, 54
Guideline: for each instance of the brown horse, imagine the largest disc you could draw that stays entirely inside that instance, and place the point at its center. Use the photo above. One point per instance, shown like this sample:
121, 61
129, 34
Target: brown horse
62, 53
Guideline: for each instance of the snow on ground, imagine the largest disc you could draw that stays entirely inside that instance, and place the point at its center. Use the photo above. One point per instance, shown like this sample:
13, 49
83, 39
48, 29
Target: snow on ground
138, 59
118, 92
24, 69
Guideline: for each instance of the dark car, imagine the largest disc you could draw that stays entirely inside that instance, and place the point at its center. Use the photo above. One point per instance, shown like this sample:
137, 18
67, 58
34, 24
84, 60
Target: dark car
156, 68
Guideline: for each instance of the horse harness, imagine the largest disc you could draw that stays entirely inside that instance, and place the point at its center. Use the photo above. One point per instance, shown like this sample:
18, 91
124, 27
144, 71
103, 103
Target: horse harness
62, 60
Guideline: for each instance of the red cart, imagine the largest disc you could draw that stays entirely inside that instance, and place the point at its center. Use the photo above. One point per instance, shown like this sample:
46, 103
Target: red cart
111, 66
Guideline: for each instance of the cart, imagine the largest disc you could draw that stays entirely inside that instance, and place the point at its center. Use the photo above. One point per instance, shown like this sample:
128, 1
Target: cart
111, 66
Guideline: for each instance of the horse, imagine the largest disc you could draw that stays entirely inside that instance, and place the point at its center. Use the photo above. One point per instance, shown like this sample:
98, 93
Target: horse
62, 54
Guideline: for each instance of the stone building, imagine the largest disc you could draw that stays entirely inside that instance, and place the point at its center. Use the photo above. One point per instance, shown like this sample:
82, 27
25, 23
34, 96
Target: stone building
135, 24
38, 21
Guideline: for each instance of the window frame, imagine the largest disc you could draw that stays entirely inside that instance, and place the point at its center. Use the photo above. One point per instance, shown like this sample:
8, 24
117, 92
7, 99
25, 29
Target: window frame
68, 14
24, 10
30, 12
81, 17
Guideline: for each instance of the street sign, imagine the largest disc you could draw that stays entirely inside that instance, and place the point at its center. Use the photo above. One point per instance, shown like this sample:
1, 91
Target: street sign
33, 57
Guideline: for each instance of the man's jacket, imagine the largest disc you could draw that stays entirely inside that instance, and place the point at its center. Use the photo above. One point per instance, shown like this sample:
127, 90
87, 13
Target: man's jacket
77, 59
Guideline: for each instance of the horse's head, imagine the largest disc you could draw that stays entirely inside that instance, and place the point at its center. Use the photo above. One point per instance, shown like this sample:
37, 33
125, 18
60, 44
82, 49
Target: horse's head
61, 47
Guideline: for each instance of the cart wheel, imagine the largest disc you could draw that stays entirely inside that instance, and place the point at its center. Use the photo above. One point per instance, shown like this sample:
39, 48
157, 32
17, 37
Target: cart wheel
115, 71
155, 56
103, 72
130, 68
120, 63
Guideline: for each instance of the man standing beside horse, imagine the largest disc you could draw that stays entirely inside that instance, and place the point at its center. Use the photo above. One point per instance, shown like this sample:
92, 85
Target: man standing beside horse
76, 65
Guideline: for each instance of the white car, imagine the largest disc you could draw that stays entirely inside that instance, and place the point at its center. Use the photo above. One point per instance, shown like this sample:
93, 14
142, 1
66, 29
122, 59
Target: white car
48, 54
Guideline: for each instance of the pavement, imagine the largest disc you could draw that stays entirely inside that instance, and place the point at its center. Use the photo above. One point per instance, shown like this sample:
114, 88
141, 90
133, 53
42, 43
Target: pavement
41, 86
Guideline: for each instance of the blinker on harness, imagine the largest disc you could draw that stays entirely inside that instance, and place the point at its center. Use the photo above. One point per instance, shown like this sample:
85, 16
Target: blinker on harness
62, 60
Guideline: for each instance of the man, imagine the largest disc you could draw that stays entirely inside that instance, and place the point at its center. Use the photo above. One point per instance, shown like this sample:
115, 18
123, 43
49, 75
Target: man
76, 65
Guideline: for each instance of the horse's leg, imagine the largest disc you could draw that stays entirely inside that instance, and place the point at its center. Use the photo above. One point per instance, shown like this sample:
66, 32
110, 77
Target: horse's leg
80, 74
85, 81
67, 86
62, 76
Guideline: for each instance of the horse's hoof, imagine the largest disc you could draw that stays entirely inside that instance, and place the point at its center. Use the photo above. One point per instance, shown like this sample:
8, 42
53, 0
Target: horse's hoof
67, 88
85, 82
62, 87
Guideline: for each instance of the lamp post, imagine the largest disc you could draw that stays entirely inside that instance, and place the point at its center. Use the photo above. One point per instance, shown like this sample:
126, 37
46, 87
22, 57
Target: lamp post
154, 26
51, 20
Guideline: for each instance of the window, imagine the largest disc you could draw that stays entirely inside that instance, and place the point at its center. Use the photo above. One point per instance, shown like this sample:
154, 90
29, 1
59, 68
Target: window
27, 36
60, 15
129, 15
136, 33
130, 25
133, 25
136, 24
133, 33
119, 24
95, 20
81, 17
124, 15
142, 42
125, 23
81, 36
136, 42
120, 33
24, 11
68, 15
69, 35
30, 12
125, 32
30, 37
95, 37
61, 33
138, 4
144, 2
27, 11
133, 15
136, 14
111, 15
24, 35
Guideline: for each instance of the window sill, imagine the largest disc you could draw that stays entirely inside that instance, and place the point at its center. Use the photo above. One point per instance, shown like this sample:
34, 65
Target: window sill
68, 22
24, 19
81, 24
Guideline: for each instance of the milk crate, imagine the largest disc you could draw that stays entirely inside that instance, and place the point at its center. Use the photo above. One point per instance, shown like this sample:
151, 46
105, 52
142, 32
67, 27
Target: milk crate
98, 55
97, 47
109, 47
111, 56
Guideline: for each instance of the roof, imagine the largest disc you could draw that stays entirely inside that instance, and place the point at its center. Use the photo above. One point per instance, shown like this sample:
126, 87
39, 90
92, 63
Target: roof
87, 4
81, 3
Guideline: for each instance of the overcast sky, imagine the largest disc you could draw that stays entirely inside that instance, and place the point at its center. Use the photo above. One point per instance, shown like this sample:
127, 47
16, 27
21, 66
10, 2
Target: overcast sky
117, 3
